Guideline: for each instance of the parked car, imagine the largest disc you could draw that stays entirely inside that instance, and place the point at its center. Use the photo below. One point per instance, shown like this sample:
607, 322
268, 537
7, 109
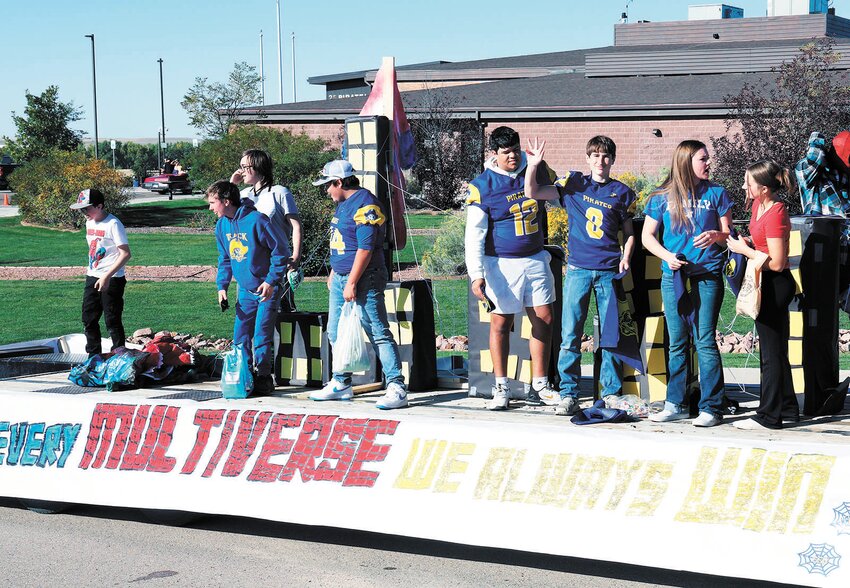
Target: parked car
6, 168
168, 183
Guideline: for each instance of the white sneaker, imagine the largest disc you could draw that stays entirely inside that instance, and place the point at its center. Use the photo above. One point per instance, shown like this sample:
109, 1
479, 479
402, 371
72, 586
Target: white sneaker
707, 419
544, 396
395, 397
667, 415
333, 390
750, 425
549, 396
567, 406
501, 397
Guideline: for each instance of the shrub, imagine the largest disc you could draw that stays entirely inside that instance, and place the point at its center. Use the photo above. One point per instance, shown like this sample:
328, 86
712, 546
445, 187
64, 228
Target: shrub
447, 255
298, 159
295, 157
556, 220
47, 186
643, 185
203, 219
316, 210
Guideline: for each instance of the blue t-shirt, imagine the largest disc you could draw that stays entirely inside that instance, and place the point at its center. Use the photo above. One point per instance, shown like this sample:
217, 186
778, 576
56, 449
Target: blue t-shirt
513, 225
596, 213
359, 222
710, 203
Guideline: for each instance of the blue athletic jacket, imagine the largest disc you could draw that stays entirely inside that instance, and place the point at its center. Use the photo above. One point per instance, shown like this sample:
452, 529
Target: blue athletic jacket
250, 249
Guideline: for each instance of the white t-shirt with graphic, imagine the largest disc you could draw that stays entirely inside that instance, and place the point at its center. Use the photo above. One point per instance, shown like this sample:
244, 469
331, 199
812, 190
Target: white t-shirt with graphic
275, 202
103, 238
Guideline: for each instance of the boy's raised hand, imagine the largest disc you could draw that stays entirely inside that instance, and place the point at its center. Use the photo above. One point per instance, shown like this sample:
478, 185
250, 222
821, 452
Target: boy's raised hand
535, 151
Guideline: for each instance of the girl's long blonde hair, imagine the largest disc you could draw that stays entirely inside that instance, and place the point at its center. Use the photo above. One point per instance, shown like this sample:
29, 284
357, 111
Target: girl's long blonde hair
680, 186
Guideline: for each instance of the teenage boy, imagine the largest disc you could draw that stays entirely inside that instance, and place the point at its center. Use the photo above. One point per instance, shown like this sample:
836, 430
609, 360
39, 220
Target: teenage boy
507, 265
253, 251
276, 202
105, 281
598, 208
358, 273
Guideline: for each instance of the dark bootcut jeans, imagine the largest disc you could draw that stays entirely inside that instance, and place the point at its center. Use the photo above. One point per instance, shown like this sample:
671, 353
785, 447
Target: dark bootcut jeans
110, 305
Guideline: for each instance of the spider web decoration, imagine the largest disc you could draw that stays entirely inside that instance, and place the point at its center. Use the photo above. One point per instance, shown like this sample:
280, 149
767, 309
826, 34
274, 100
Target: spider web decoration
819, 558
841, 522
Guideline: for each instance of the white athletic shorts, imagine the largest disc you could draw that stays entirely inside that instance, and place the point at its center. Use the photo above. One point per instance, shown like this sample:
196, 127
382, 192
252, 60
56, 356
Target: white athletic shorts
516, 283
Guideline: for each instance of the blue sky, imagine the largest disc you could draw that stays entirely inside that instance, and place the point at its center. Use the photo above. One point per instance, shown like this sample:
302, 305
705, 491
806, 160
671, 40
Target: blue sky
43, 43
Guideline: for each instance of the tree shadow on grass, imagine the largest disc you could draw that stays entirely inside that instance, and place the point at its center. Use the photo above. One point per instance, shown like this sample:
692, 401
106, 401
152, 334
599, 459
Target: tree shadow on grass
160, 216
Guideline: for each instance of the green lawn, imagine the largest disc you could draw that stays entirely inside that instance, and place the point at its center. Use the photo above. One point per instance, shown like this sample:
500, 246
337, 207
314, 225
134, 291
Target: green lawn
416, 246
424, 220
46, 247
167, 213
50, 308
31, 246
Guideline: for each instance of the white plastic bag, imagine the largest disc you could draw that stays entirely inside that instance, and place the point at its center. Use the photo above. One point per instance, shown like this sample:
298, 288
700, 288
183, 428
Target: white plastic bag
349, 350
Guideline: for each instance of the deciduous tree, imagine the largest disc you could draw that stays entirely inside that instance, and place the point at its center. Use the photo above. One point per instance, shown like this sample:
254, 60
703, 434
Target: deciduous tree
774, 119
44, 126
448, 147
213, 106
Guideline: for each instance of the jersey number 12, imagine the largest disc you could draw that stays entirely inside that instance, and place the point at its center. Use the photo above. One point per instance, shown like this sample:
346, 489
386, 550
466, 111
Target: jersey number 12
525, 217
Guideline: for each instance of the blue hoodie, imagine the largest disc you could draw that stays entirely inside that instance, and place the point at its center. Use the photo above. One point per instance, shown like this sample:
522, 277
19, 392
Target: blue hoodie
250, 249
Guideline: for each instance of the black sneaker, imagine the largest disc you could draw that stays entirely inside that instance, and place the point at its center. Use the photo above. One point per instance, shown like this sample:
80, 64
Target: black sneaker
532, 398
263, 385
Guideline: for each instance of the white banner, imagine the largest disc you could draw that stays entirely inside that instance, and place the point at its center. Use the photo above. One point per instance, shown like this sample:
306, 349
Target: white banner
712, 504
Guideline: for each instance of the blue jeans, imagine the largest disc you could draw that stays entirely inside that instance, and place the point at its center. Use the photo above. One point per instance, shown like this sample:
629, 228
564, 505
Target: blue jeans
370, 298
706, 295
254, 327
578, 284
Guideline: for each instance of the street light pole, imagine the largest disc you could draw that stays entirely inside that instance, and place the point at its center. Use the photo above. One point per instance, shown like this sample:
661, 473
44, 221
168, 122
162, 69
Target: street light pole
279, 56
94, 87
262, 71
161, 99
294, 94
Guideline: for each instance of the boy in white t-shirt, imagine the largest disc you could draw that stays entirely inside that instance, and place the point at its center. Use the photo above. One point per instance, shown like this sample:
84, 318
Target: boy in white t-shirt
105, 281
276, 202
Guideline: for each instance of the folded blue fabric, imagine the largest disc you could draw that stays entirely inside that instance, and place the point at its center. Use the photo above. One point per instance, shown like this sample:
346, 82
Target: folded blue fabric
599, 414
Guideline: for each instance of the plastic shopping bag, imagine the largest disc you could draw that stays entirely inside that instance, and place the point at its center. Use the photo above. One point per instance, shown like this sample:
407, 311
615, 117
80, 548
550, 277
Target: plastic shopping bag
349, 350
236, 378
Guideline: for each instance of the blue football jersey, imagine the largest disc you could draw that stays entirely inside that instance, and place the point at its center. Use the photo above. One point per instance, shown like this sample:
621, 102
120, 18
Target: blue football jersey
514, 224
596, 213
359, 222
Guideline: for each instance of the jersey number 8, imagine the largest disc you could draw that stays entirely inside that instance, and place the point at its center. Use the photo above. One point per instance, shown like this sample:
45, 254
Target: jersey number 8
594, 223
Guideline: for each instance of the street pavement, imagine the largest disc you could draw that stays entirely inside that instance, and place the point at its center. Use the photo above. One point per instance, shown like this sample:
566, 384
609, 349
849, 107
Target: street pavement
137, 196
95, 546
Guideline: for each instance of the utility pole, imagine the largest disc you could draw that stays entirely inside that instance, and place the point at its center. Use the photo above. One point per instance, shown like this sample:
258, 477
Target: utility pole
279, 56
94, 87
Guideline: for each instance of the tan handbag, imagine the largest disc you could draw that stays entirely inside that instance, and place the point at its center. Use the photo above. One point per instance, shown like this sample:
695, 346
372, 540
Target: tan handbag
749, 298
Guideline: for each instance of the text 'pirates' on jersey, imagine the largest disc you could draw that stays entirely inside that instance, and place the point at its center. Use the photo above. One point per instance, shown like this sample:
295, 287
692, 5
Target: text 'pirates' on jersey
596, 213
513, 219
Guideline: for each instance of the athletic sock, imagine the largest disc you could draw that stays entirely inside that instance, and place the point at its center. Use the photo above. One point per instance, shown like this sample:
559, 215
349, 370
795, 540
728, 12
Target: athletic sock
502, 380
539, 383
